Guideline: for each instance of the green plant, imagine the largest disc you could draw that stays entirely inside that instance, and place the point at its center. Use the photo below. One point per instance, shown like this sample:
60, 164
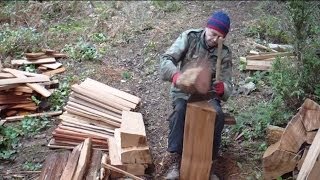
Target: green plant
15, 42
29, 68
59, 96
31, 126
82, 51
35, 100
31, 166
126, 75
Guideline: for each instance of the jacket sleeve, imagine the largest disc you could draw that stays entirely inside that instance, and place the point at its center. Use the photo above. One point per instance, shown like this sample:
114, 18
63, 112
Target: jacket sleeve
170, 59
226, 75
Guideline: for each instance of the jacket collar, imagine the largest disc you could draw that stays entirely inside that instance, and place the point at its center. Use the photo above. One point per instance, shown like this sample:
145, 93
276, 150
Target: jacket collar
213, 50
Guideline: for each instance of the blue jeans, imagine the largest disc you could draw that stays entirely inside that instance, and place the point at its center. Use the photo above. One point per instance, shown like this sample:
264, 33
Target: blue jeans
176, 125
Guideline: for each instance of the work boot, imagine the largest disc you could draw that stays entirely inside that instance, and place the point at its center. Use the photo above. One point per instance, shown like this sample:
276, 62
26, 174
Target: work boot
213, 177
170, 164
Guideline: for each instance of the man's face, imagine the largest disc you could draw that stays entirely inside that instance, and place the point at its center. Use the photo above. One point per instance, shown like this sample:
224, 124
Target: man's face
212, 36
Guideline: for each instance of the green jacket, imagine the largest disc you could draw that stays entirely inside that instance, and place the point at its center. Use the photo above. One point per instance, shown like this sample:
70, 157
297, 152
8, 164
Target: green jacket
187, 48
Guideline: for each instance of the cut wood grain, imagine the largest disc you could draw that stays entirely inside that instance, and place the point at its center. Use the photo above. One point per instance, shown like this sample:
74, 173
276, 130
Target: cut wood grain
310, 159
310, 136
54, 165
311, 119
28, 106
52, 65
277, 162
274, 134
114, 91
269, 55
94, 167
132, 130
260, 68
23, 80
89, 128
85, 131
72, 163
196, 162
83, 161
38, 61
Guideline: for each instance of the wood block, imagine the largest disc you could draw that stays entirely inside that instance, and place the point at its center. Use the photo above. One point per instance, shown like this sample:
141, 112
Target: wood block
132, 130
310, 136
277, 162
311, 119
198, 132
114, 155
274, 134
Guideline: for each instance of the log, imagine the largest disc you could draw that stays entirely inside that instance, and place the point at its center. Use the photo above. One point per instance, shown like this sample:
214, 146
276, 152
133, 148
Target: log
72, 163
83, 161
114, 91
274, 134
38, 61
310, 159
132, 130
196, 162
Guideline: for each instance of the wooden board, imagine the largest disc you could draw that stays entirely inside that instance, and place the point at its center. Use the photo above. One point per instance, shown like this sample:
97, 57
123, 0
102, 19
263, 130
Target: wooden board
85, 131
38, 61
260, 68
23, 80
94, 167
259, 63
83, 161
132, 130
114, 91
277, 162
198, 132
52, 65
269, 55
53, 72
310, 159
72, 163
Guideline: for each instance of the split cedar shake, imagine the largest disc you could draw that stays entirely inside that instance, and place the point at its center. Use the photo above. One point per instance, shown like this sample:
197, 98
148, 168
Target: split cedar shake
52, 65
274, 134
114, 91
83, 161
269, 55
23, 80
38, 61
72, 163
198, 141
132, 130
94, 167
55, 71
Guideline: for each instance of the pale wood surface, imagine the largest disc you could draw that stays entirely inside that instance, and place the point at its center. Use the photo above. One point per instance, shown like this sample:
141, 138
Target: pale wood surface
83, 161
274, 134
38, 61
52, 65
72, 163
23, 80
112, 168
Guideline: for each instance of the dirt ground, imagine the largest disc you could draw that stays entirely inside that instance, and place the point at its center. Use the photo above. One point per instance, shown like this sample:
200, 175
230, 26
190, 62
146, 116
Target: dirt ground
136, 55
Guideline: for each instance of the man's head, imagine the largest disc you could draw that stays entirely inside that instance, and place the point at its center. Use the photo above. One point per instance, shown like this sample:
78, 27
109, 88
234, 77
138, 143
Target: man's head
218, 25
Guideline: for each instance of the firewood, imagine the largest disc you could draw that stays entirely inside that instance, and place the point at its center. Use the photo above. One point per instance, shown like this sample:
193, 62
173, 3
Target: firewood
270, 55
55, 65
34, 55
274, 134
196, 162
28, 106
310, 136
74, 138
38, 61
23, 80
48, 114
100, 135
53, 72
6, 75
59, 55
88, 128
259, 46
83, 161
94, 167
277, 162
132, 130
112, 168
54, 165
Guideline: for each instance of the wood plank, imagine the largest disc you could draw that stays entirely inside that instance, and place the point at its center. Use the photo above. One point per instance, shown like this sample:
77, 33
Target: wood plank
78, 138
23, 80
54, 165
310, 136
259, 63
69, 124
93, 172
88, 104
78, 89
260, 68
101, 140
52, 145
83, 161
6, 87
24, 89
38, 61
28, 106
86, 114
48, 114
55, 65
259, 46
97, 103
94, 111
112, 168
53, 72
72, 163
269, 55
277, 162
310, 159
6, 75
85, 131
196, 162
110, 96
132, 130
114, 91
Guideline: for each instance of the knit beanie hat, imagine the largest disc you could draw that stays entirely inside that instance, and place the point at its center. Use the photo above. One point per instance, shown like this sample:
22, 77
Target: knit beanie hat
220, 22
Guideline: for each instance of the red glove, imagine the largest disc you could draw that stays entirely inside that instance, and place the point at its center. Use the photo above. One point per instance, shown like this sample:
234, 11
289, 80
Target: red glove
218, 87
175, 78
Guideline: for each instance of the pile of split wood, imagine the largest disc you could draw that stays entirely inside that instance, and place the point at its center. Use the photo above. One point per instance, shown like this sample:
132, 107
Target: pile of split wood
94, 110
262, 58
297, 151
45, 61
17, 89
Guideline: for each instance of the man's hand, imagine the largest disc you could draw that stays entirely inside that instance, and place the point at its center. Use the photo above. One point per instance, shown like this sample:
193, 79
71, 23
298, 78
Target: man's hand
218, 88
175, 78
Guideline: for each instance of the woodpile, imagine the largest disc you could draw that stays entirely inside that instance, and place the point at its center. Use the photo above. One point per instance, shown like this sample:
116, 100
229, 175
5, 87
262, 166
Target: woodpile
297, 151
93, 110
262, 59
17, 90
45, 61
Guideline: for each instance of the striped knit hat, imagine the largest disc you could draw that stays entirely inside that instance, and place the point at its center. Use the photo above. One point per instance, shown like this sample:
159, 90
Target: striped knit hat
220, 22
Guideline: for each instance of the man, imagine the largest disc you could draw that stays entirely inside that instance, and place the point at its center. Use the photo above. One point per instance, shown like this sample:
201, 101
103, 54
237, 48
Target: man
191, 46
